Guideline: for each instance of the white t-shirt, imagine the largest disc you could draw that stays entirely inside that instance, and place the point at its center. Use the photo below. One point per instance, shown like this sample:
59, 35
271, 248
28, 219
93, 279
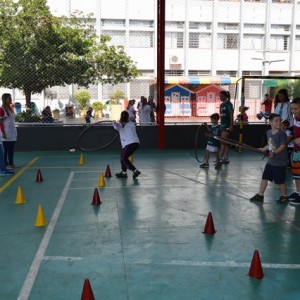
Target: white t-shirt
144, 112
127, 133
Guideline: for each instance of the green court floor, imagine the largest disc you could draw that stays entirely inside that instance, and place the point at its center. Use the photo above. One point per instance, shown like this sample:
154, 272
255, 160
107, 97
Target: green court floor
145, 240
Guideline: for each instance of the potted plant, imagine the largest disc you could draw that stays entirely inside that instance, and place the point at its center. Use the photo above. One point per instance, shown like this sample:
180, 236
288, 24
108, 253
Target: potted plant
115, 104
98, 108
82, 98
56, 113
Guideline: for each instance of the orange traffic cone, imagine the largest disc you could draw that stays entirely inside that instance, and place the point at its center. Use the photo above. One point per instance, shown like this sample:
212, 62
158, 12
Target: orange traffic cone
256, 270
20, 199
96, 198
209, 226
107, 172
101, 181
39, 177
81, 160
40, 218
87, 293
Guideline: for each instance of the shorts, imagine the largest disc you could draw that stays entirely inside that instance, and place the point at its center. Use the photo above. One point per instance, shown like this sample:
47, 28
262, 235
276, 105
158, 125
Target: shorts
212, 148
296, 164
274, 173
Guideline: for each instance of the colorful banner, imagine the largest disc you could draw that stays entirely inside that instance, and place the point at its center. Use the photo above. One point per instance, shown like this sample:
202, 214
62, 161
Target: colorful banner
200, 80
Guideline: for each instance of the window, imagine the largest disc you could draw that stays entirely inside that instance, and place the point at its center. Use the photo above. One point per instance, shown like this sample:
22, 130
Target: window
199, 73
113, 23
199, 25
199, 40
253, 27
228, 26
117, 37
253, 41
279, 42
141, 23
141, 39
172, 25
280, 27
227, 41
174, 40
227, 73
174, 72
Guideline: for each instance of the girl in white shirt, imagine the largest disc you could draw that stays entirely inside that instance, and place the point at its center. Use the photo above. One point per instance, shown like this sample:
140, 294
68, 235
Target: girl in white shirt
130, 143
283, 108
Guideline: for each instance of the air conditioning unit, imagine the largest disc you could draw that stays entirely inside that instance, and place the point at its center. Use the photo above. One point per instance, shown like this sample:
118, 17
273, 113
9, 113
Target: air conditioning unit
175, 60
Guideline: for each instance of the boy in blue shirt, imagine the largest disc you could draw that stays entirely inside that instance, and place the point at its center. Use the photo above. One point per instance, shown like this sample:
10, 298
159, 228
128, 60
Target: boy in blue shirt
213, 145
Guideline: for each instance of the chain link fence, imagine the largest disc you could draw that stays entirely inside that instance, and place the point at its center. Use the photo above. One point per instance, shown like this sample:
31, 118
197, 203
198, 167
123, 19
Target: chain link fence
209, 45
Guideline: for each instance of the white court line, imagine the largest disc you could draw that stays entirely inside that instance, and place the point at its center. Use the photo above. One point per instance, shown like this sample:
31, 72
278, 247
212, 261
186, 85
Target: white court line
66, 258
35, 266
225, 264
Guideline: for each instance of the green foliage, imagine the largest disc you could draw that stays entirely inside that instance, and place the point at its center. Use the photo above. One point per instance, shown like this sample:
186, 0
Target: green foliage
82, 98
292, 86
38, 50
98, 106
28, 117
116, 96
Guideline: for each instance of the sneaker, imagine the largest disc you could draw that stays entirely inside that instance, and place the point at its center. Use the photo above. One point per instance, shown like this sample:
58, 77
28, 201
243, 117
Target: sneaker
11, 167
204, 165
6, 173
294, 196
295, 202
136, 173
257, 198
121, 175
218, 165
283, 199
224, 160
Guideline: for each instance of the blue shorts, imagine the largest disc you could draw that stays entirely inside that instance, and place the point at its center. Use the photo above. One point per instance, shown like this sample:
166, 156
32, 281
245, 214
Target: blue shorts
274, 173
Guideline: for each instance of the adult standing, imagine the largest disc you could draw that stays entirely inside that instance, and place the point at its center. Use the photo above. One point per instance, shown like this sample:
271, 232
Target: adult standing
144, 111
8, 130
131, 110
283, 108
226, 113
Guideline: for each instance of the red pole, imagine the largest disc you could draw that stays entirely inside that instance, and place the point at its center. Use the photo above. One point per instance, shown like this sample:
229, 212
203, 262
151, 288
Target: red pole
161, 9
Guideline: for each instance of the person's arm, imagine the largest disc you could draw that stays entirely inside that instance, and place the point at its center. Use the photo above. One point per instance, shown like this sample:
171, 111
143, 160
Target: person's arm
2, 118
116, 125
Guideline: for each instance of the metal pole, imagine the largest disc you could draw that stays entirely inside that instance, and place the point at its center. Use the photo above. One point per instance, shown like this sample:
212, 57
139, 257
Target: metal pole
161, 8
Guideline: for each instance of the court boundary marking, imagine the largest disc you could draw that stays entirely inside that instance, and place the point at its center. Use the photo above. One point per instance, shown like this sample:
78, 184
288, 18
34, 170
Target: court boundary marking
35, 266
8, 183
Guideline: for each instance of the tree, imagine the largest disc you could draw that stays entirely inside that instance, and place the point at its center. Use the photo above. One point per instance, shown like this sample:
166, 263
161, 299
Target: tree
38, 50
292, 87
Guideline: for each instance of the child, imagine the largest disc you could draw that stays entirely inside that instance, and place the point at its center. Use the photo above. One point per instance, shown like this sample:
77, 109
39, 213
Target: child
130, 143
294, 198
243, 115
89, 115
277, 162
226, 113
212, 144
285, 124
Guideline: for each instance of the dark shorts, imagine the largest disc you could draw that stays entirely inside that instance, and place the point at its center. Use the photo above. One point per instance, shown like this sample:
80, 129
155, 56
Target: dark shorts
274, 173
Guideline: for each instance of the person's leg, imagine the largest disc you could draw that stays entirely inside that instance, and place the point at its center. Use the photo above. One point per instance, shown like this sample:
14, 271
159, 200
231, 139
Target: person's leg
263, 186
2, 161
10, 154
128, 151
224, 148
6, 150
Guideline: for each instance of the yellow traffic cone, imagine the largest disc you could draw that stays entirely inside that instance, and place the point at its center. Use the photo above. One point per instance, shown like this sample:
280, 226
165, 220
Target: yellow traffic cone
40, 218
101, 181
81, 160
130, 158
20, 196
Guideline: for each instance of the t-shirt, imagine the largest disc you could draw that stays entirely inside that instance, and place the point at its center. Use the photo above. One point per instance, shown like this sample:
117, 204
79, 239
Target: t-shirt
127, 133
274, 142
226, 109
214, 130
296, 130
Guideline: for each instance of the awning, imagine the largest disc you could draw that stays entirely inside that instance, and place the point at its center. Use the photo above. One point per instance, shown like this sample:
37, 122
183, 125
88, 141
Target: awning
200, 80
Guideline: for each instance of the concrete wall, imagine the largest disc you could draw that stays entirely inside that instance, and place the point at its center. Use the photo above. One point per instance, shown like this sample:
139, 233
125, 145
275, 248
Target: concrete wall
61, 138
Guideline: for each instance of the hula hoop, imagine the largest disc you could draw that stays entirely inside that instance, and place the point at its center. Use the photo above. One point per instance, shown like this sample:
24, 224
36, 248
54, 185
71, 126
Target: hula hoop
94, 149
196, 145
